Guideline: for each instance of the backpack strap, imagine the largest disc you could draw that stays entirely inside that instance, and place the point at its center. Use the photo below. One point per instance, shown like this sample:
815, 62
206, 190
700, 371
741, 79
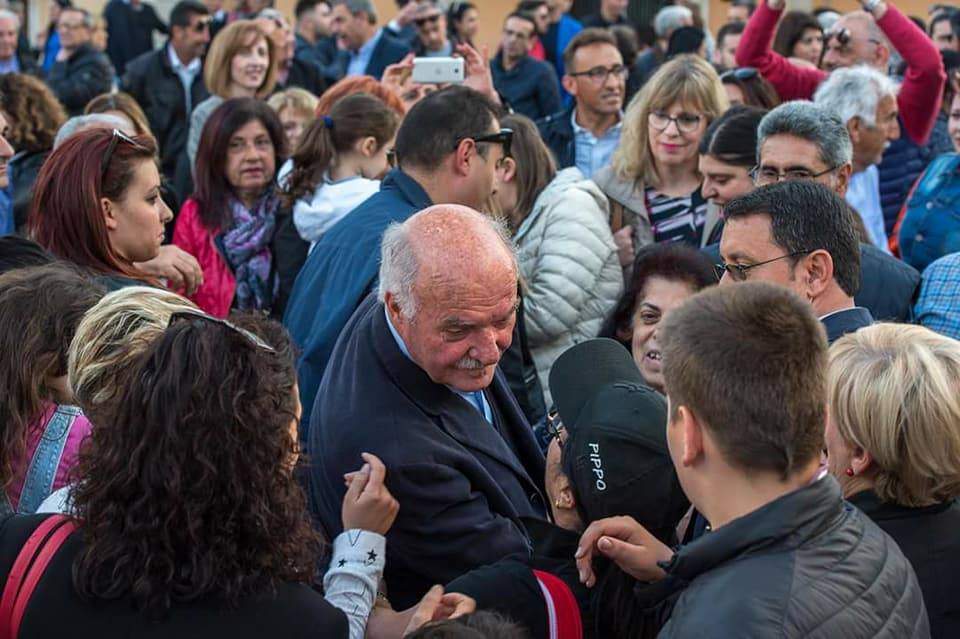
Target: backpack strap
28, 568
38, 482
616, 215
563, 612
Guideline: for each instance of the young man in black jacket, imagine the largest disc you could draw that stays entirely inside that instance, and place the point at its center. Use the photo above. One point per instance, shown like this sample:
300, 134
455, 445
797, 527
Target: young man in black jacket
168, 83
745, 371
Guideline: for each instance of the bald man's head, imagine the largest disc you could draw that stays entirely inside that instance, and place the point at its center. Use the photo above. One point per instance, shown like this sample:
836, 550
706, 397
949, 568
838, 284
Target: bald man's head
448, 278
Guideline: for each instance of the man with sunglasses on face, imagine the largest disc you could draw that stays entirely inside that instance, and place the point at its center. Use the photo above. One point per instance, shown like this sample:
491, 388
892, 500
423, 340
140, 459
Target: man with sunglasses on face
168, 83
861, 37
586, 135
433, 39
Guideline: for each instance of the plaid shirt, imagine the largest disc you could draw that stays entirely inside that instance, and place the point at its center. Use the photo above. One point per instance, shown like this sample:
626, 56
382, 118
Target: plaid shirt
938, 307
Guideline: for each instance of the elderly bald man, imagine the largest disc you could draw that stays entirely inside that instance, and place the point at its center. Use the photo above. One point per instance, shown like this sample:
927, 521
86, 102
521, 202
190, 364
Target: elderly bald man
414, 380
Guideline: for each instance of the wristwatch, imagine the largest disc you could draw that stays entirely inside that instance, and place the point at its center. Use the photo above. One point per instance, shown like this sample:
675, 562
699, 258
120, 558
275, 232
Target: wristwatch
870, 5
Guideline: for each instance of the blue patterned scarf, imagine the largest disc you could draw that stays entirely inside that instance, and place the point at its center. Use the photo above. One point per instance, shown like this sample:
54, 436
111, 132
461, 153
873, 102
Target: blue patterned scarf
246, 245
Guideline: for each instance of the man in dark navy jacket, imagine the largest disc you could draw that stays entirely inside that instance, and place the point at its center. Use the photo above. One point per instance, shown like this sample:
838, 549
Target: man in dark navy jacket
414, 380
367, 48
436, 165
529, 86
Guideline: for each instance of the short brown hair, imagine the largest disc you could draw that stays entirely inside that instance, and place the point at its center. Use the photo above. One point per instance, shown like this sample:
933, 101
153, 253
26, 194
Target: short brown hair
536, 167
590, 35
126, 104
750, 362
230, 40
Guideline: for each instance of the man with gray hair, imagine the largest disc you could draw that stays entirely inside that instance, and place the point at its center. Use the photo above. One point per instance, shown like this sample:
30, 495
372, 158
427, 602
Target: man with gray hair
667, 20
12, 60
368, 49
866, 101
81, 71
802, 141
414, 380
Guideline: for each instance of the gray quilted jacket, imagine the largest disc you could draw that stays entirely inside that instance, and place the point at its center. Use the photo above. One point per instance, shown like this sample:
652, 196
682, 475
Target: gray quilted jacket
569, 265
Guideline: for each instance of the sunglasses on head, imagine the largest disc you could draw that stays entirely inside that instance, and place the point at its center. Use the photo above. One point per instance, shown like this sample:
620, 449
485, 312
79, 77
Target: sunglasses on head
188, 316
425, 20
742, 74
118, 136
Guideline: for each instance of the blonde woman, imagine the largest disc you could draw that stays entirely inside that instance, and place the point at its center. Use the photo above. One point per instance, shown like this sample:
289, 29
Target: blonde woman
893, 444
242, 62
652, 182
296, 109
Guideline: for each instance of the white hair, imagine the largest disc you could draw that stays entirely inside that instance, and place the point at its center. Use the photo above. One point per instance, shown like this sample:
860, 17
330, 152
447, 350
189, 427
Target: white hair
399, 264
855, 92
80, 123
671, 18
10, 15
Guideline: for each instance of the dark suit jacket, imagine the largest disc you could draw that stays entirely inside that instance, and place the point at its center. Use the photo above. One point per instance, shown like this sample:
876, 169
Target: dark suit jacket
156, 86
130, 32
847, 321
462, 483
388, 51
80, 78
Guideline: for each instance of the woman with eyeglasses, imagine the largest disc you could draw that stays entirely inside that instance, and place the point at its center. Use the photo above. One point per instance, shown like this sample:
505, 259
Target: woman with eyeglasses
339, 163
97, 204
663, 277
746, 86
653, 182
229, 223
728, 153
241, 62
799, 36
567, 258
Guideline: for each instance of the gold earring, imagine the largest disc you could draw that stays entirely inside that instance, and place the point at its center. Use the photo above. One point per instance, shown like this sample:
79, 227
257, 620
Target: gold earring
557, 503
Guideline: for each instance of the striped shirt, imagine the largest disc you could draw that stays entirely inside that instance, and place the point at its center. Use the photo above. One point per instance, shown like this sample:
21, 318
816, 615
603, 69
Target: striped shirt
677, 219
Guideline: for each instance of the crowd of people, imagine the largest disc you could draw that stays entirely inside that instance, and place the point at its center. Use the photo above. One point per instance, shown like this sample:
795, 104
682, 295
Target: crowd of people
639, 330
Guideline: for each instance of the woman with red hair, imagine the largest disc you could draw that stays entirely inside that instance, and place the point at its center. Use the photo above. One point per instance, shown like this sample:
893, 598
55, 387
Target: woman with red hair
106, 215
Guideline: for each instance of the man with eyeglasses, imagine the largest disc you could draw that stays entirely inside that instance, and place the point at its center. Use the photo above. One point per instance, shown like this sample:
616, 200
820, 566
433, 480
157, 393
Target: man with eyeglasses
168, 83
529, 86
800, 142
81, 72
586, 135
366, 49
798, 234
861, 37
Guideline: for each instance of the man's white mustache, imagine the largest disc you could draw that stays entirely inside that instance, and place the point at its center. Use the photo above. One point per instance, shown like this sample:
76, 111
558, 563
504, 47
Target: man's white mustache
468, 363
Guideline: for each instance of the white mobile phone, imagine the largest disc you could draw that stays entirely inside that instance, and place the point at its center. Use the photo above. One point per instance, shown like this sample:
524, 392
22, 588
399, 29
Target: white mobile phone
438, 70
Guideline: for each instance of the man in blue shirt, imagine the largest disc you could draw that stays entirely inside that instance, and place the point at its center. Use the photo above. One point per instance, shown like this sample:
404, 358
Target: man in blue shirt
6, 152
368, 49
586, 135
455, 163
12, 59
528, 85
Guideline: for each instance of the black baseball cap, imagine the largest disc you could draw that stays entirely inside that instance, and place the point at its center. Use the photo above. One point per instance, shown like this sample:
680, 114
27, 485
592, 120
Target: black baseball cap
616, 433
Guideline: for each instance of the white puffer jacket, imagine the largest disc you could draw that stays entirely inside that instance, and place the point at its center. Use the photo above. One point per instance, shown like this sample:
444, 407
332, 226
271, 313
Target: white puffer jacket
569, 265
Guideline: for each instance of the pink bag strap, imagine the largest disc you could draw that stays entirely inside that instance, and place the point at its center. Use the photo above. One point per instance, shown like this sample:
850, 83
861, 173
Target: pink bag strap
28, 568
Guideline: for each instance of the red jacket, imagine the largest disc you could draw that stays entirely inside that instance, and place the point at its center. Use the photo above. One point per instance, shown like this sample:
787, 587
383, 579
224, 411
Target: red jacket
920, 93
215, 295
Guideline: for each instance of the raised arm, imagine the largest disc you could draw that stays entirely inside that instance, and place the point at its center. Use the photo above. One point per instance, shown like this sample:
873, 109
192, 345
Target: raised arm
922, 89
791, 81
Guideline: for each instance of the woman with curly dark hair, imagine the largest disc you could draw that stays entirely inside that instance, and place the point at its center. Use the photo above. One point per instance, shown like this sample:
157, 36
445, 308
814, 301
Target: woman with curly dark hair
189, 517
33, 116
